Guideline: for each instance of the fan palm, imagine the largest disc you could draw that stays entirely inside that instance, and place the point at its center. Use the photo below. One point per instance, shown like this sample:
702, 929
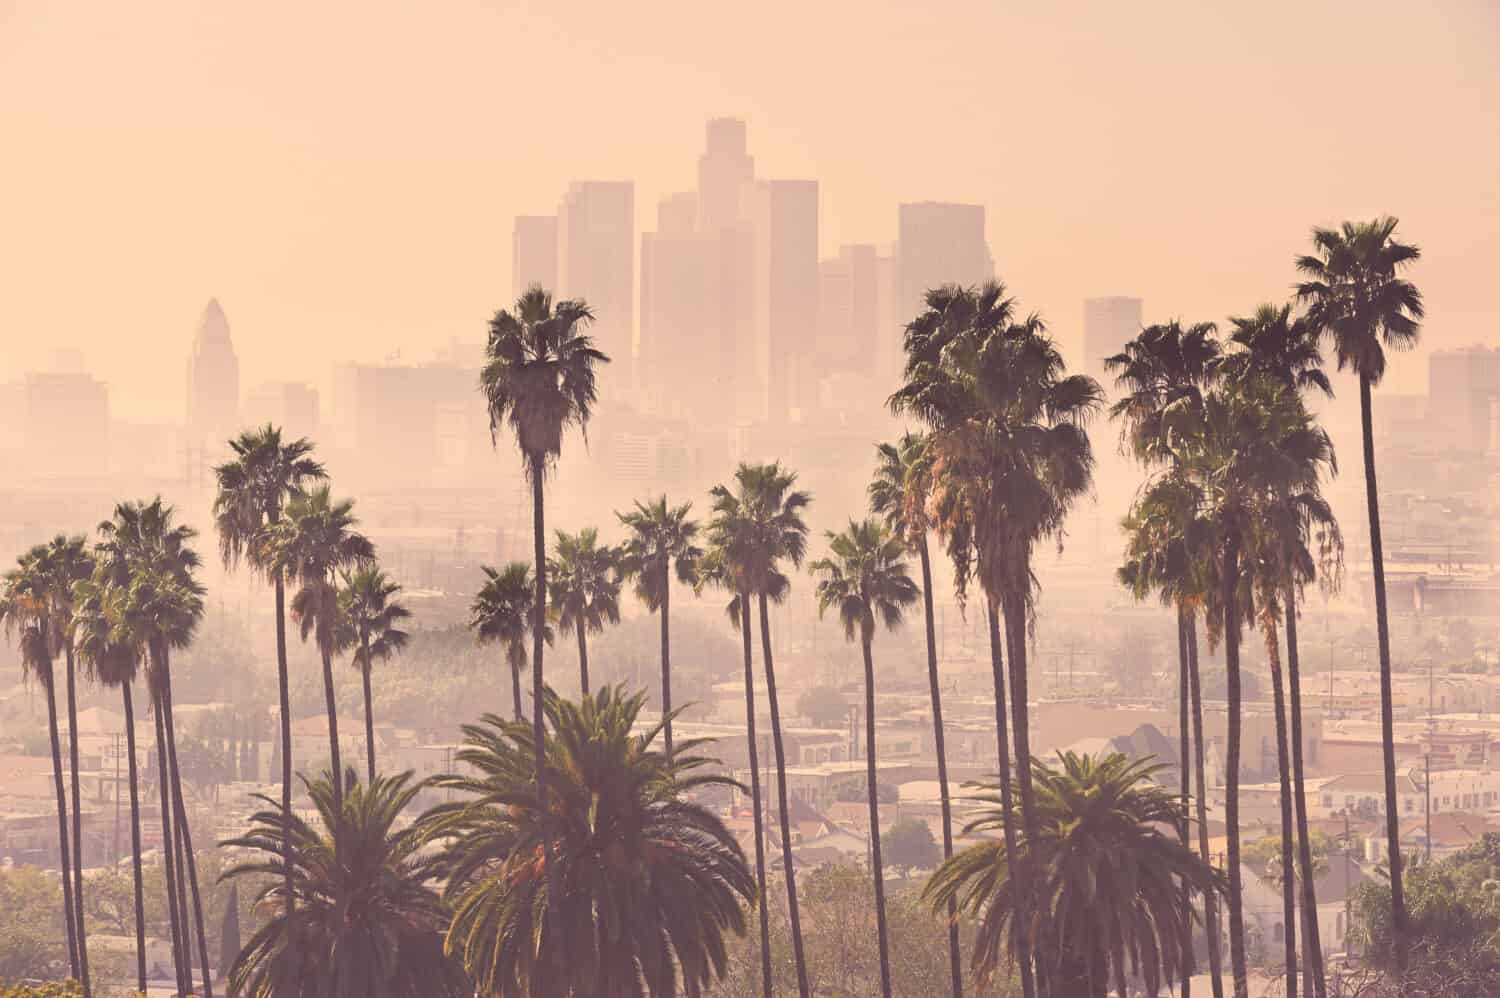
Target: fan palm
1357, 298
539, 380
365, 920
585, 590
368, 614
866, 579
313, 541
654, 882
1107, 877
899, 492
661, 544
253, 489
502, 613
757, 526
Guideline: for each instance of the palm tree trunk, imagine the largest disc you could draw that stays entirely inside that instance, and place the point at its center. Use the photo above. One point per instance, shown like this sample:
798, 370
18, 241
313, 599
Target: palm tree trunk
1014, 609
1387, 720
62, 827
1237, 960
1007, 810
515, 687
755, 800
190, 872
786, 820
369, 714
335, 758
135, 839
666, 654
83, 937
289, 898
1284, 777
1210, 902
538, 732
955, 960
583, 658
169, 861
877, 868
1185, 772
1312, 945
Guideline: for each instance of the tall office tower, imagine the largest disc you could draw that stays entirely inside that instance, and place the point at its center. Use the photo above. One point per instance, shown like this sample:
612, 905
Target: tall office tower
1108, 324
1463, 399
780, 352
724, 170
213, 375
533, 244
596, 261
683, 369
291, 405
66, 421
848, 304
938, 243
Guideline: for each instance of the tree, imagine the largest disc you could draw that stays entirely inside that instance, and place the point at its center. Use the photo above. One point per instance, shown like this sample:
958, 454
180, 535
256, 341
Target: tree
824, 706
1357, 298
899, 492
585, 590
539, 380
369, 614
758, 525
657, 882
365, 920
229, 934
910, 846
253, 489
661, 544
313, 541
1108, 875
502, 613
866, 579
33, 928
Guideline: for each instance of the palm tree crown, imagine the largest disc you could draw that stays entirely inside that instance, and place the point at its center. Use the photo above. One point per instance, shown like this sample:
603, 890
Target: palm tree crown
760, 524
866, 579
255, 487
901, 485
1274, 343
584, 582
313, 541
368, 615
1165, 366
660, 544
503, 613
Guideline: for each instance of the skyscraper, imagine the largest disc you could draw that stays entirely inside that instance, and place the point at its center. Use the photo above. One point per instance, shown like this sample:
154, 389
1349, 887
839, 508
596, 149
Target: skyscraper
1463, 399
724, 170
533, 253
1108, 323
938, 243
213, 375
781, 348
596, 261
683, 366
848, 305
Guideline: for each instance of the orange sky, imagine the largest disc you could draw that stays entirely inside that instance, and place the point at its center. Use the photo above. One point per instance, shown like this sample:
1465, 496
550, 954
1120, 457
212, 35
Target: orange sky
343, 175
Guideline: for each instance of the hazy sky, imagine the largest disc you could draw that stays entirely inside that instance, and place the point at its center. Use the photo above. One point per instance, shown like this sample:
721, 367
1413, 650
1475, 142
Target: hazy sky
343, 176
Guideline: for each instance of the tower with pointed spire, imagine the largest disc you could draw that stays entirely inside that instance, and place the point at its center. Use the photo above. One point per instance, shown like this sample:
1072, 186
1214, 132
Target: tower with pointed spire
213, 375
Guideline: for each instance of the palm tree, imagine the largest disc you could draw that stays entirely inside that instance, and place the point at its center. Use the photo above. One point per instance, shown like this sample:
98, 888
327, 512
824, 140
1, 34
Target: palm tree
899, 492
314, 540
656, 882
866, 578
253, 489
661, 544
585, 590
26, 612
369, 615
107, 654
502, 613
539, 379
1107, 872
365, 920
1357, 297
758, 525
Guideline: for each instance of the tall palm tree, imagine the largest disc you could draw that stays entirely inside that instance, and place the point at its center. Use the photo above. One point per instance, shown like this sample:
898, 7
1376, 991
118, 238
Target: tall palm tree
899, 492
1107, 872
1357, 298
313, 541
866, 578
253, 488
585, 586
369, 613
106, 652
26, 613
661, 544
502, 613
759, 525
365, 921
539, 379
656, 881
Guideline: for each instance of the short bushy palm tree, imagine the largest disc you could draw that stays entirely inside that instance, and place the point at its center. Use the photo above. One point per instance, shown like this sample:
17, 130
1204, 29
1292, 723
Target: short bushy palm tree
365, 921
661, 544
1357, 297
654, 883
585, 590
502, 613
866, 580
1107, 878
369, 614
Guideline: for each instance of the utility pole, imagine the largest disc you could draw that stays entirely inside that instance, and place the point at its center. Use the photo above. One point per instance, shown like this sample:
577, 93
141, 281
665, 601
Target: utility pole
1427, 762
1348, 880
114, 851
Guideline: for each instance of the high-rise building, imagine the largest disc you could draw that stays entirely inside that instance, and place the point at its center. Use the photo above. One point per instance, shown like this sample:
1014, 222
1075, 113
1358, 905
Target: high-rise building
533, 258
1108, 324
596, 262
724, 170
291, 405
213, 375
939, 243
781, 349
848, 312
683, 365
1463, 407
66, 416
